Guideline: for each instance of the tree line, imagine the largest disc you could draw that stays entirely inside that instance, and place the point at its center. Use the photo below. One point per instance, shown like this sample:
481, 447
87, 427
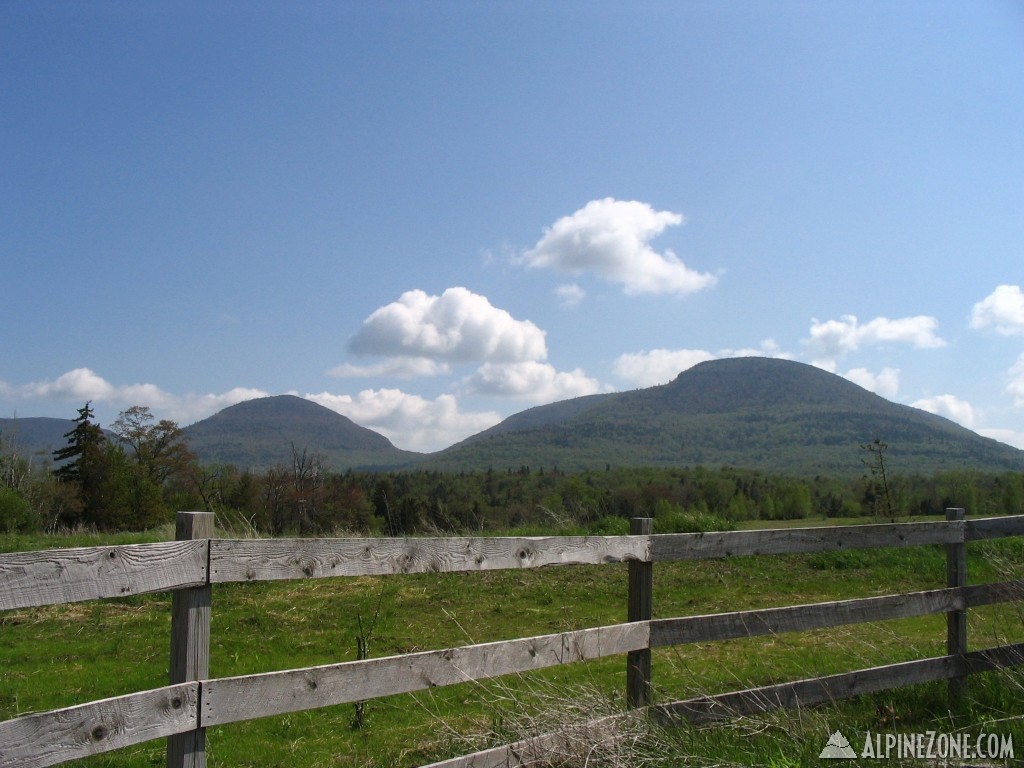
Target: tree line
136, 477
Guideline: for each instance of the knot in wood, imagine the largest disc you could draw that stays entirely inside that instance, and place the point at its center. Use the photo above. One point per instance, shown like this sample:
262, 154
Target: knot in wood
99, 733
311, 684
176, 702
307, 569
112, 554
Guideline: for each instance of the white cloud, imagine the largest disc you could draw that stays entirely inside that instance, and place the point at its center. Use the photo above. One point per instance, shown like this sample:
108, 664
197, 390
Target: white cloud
397, 367
82, 384
658, 366
570, 295
411, 422
533, 381
951, 407
1003, 309
78, 384
833, 339
610, 237
1016, 386
1008, 436
886, 383
458, 326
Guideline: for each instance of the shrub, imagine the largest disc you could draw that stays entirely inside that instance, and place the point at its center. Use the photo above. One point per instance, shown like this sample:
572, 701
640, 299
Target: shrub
16, 514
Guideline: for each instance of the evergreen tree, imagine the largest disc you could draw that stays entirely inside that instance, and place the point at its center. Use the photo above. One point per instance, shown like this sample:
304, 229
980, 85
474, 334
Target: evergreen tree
85, 438
82, 465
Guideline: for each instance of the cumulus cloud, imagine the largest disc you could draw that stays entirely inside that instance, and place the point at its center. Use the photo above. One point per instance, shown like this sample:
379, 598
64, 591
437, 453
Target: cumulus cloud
1008, 436
83, 384
886, 383
658, 366
951, 407
833, 339
570, 295
456, 327
531, 380
411, 422
1016, 386
1003, 309
396, 367
611, 238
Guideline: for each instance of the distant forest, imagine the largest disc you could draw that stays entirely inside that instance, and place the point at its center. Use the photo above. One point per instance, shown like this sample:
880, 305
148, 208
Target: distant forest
141, 477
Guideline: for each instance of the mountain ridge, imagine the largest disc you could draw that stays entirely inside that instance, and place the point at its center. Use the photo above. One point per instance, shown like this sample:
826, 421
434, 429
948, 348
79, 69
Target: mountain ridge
757, 413
263, 432
766, 414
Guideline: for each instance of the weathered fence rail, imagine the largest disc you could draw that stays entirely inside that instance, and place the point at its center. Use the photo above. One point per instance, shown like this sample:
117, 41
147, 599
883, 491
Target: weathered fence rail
190, 566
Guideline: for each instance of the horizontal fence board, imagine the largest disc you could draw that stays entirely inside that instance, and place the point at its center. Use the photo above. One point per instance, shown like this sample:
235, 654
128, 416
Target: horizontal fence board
823, 690
803, 693
995, 592
55, 576
782, 541
50, 738
230, 699
268, 559
995, 527
549, 748
536, 750
797, 618
994, 658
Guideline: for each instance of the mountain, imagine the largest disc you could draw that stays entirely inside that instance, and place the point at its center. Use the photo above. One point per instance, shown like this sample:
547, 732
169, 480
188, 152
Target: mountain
776, 416
759, 413
37, 436
261, 433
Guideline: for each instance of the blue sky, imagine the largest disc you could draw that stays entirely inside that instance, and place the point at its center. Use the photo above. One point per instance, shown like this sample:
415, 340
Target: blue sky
431, 215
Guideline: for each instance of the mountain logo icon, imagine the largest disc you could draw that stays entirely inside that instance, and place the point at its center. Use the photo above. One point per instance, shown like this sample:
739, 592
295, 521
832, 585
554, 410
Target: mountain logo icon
837, 747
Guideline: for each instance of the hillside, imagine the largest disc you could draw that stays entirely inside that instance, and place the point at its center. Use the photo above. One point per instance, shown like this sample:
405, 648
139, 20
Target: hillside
36, 436
775, 416
758, 413
260, 433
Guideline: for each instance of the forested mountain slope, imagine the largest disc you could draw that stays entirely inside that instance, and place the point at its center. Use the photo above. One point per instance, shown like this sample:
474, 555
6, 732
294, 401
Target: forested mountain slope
261, 433
757, 413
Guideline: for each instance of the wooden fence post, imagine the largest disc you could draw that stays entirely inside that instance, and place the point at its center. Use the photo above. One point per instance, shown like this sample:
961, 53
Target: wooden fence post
190, 642
641, 588
956, 621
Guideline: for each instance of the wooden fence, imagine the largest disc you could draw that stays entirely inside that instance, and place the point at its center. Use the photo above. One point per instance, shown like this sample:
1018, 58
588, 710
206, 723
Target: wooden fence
189, 566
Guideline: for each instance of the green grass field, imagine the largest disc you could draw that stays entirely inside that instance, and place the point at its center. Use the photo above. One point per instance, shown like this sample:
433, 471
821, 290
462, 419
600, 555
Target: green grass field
64, 655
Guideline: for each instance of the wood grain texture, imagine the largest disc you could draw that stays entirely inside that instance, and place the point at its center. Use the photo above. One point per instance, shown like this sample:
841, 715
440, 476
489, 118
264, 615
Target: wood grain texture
995, 527
190, 642
550, 748
56, 576
227, 700
752, 701
994, 592
822, 690
781, 541
49, 738
956, 619
639, 608
804, 693
268, 559
797, 618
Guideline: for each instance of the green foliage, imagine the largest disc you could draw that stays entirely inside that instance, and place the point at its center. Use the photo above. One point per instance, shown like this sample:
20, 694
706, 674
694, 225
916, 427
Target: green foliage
670, 518
140, 479
16, 514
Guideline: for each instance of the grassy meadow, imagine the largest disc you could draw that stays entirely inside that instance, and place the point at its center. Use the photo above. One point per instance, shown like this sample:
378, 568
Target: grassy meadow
63, 655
